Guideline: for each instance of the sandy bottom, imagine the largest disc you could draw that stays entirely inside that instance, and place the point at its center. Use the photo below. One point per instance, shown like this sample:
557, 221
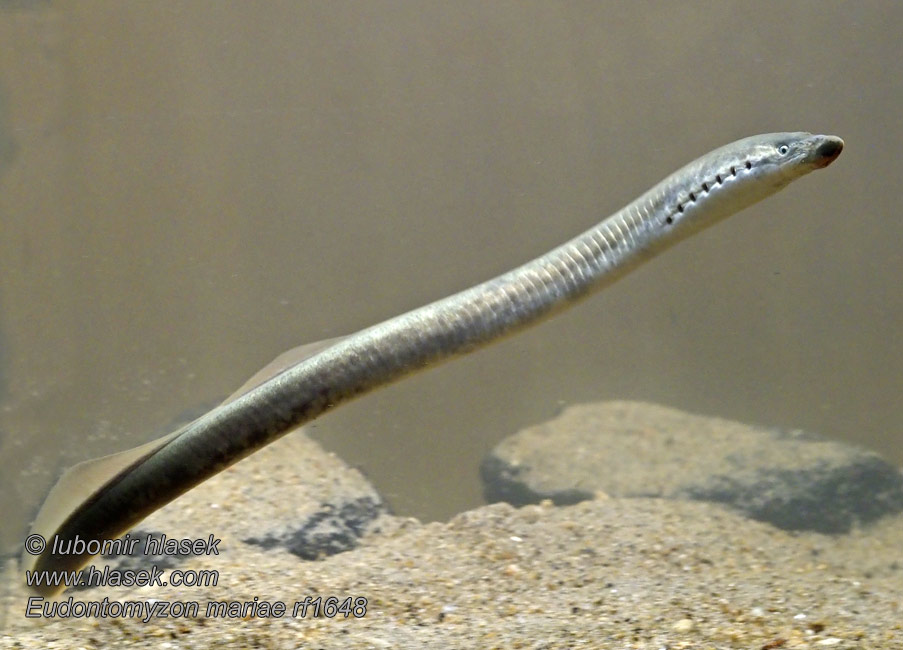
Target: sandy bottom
625, 573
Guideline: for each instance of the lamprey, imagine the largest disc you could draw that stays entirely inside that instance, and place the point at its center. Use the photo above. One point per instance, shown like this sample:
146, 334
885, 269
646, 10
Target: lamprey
104, 498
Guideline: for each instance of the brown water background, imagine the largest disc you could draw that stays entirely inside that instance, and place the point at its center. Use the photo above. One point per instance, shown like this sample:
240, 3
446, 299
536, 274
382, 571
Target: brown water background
189, 188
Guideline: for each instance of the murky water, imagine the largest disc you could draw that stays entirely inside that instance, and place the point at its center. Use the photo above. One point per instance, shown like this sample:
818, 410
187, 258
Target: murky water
185, 193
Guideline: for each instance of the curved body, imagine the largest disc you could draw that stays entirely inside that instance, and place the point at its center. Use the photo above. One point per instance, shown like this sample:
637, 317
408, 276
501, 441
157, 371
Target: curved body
696, 196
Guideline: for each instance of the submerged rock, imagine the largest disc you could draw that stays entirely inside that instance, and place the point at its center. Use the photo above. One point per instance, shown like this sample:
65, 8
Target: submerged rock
791, 479
314, 505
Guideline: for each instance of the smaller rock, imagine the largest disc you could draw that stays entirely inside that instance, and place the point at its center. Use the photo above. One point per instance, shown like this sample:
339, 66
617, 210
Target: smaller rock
684, 625
313, 505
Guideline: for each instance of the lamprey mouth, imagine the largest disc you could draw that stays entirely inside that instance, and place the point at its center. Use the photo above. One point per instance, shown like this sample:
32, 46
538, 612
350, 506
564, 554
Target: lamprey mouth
828, 150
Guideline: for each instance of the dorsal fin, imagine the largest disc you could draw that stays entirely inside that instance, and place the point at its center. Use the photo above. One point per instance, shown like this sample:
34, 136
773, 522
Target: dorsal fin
285, 360
80, 482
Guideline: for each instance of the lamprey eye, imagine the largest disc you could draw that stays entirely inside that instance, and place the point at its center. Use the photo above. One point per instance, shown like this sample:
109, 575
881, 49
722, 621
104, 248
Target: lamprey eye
783, 149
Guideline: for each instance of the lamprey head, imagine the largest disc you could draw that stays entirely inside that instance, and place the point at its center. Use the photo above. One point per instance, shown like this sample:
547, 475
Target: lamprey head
780, 158
736, 176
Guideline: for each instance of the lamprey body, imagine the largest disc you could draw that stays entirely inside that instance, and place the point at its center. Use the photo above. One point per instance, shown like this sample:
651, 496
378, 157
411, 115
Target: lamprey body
102, 499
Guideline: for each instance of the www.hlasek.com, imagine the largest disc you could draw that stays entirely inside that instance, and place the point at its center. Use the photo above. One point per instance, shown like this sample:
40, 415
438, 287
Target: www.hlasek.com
152, 577
38, 607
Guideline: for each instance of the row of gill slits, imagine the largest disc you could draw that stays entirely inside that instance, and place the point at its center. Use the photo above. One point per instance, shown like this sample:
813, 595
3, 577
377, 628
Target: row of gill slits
704, 189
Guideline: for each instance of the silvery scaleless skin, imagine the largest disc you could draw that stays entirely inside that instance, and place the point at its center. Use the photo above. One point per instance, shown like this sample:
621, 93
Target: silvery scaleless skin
104, 498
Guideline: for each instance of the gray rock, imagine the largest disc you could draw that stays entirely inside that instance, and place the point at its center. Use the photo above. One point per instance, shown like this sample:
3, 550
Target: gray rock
791, 479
